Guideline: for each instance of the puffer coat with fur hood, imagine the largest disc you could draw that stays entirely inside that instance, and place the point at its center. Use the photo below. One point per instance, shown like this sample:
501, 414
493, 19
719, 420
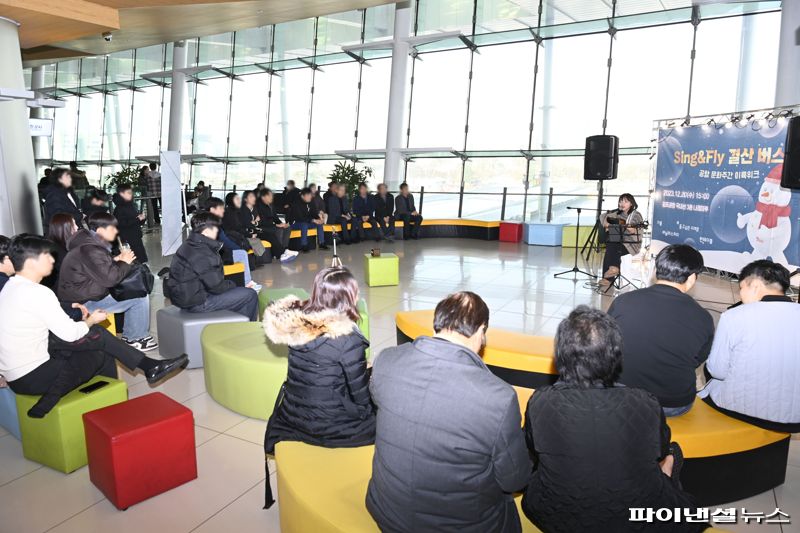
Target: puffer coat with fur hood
326, 400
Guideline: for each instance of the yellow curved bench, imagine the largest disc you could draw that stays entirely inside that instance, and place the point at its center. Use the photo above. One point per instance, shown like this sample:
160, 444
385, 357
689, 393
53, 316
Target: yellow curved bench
323, 490
726, 460
235, 273
521, 360
441, 227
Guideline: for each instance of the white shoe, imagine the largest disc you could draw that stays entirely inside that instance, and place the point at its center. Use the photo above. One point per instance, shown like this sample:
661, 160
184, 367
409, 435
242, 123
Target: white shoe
288, 257
292, 252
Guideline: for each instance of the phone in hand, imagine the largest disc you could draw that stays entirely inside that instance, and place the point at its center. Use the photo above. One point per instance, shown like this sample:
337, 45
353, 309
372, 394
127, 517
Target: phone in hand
88, 389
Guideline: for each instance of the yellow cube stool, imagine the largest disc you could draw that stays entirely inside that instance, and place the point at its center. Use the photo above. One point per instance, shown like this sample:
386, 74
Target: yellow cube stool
383, 270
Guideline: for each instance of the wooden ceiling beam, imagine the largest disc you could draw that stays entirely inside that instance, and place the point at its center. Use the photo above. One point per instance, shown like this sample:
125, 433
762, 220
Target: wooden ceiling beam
75, 10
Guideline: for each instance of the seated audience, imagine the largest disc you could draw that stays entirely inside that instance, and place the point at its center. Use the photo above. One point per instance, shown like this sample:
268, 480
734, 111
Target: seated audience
667, 334
317, 202
43, 351
129, 221
598, 448
6, 266
325, 400
338, 210
60, 197
290, 196
272, 229
754, 363
44, 183
330, 192
235, 225
623, 236
449, 449
197, 281
302, 216
406, 212
89, 271
96, 200
384, 209
364, 210
60, 230
233, 248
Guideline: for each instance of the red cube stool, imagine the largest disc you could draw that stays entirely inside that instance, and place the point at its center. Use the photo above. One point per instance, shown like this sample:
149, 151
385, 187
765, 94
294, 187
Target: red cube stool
140, 448
510, 232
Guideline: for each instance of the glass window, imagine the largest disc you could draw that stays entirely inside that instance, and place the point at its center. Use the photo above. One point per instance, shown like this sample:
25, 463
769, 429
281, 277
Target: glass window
374, 105
90, 127
249, 115
318, 172
438, 176
69, 74
146, 127
336, 30
65, 127
660, 55
216, 50
150, 59
758, 65
333, 120
288, 115
253, 46
279, 172
294, 39
211, 117
484, 175
120, 66
439, 100
571, 97
93, 71
500, 102
244, 176
117, 128
716, 66
213, 174
379, 23
435, 16
189, 118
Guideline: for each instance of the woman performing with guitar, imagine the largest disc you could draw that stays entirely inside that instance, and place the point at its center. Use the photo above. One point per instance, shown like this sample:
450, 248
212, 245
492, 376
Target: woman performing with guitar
623, 228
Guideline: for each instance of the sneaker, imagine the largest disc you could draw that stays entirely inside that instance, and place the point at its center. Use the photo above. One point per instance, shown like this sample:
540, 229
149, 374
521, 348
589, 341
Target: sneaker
288, 257
292, 253
256, 287
145, 344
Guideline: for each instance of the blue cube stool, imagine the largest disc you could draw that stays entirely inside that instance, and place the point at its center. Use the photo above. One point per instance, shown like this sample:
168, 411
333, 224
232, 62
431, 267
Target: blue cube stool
544, 233
8, 412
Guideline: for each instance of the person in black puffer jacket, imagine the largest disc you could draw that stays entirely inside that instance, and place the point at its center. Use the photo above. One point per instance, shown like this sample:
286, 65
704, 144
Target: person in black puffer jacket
60, 197
129, 221
197, 281
599, 448
327, 366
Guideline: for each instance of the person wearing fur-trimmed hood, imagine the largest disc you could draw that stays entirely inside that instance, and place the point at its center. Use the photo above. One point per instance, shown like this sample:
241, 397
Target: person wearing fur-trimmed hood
325, 400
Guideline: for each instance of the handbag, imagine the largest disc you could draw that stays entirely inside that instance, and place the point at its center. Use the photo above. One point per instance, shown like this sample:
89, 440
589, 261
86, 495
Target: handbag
137, 284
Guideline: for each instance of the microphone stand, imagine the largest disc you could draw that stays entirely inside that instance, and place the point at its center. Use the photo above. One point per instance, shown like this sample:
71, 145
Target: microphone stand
575, 270
336, 262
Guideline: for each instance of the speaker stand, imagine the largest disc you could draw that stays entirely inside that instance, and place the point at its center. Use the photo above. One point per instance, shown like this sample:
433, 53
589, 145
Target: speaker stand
575, 270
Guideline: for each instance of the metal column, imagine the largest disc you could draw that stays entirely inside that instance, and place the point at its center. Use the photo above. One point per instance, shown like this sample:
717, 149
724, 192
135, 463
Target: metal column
394, 169
177, 96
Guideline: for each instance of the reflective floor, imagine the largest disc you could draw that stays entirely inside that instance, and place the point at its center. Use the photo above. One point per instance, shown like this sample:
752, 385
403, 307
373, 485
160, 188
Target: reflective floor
515, 280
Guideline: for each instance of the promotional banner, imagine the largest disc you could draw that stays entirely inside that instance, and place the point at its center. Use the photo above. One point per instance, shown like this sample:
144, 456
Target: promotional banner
171, 203
718, 189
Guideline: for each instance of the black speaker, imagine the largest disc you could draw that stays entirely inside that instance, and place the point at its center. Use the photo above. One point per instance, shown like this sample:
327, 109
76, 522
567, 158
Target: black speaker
790, 177
601, 158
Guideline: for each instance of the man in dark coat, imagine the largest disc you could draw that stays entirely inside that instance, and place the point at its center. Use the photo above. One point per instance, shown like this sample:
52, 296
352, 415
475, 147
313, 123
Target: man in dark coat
272, 228
60, 197
339, 213
290, 196
196, 276
129, 221
384, 211
89, 271
302, 216
406, 212
364, 211
449, 447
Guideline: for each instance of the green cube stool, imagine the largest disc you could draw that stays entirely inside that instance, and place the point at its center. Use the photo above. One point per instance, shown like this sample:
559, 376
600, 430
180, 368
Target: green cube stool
243, 370
363, 325
267, 296
383, 270
58, 440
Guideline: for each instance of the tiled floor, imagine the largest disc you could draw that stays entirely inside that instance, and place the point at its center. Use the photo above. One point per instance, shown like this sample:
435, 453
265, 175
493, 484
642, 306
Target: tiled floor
516, 281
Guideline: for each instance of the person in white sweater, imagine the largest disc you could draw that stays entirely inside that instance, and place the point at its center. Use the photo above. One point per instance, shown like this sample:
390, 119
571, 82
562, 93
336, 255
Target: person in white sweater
754, 363
35, 362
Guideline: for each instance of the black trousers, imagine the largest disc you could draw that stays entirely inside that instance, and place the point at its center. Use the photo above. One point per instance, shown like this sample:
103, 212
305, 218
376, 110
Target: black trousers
387, 229
156, 215
349, 229
374, 232
72, 364
411, 224
613, 256
783, 427
278, 239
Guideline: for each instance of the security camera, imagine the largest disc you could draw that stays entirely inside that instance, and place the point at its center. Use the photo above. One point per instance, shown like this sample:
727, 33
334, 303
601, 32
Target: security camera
107, 36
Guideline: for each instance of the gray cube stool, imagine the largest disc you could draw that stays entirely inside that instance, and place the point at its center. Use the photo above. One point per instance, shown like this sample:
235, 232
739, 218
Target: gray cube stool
179, 331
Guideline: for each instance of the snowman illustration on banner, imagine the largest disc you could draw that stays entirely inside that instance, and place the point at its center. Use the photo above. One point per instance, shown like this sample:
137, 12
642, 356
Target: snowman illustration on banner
769, 229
